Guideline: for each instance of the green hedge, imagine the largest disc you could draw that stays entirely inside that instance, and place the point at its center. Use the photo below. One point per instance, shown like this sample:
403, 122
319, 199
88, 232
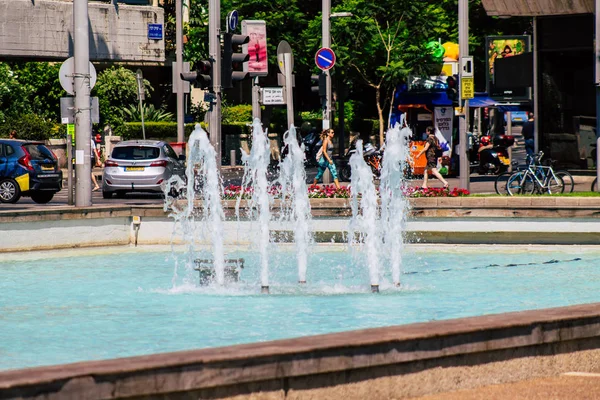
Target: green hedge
32, 127
168, 130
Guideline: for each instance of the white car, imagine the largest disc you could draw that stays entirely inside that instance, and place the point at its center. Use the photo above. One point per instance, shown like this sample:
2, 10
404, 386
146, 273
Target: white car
140, 166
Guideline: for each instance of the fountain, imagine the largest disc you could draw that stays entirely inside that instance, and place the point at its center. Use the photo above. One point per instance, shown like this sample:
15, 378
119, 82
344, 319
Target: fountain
365, 216
204, 184
258, 208
295, 205
393, 202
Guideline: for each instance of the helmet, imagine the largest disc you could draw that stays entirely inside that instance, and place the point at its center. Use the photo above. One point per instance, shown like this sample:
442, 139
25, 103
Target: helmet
485, 140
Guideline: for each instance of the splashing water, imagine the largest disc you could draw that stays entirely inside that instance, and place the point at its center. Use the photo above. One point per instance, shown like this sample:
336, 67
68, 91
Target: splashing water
203, 183
255, 173
394, 205
364, 215
295, 205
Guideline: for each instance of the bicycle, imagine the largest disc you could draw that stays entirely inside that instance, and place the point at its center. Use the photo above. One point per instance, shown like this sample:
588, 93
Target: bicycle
502, 179
535, 178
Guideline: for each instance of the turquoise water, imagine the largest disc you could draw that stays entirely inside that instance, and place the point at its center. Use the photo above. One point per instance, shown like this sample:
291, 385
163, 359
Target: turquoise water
59, 307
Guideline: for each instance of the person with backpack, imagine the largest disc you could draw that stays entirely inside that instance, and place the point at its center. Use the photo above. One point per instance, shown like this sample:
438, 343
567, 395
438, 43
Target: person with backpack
431, 150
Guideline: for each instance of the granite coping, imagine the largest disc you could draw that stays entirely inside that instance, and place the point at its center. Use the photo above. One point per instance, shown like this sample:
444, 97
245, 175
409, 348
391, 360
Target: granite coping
449, 207
319, 354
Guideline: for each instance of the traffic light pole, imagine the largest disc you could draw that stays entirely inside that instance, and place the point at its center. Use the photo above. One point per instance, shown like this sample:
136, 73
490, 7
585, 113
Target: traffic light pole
179, 62
326, 33
214, 49
83, 122
463, 44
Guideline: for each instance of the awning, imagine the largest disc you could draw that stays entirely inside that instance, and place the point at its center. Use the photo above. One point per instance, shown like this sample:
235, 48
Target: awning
537, 8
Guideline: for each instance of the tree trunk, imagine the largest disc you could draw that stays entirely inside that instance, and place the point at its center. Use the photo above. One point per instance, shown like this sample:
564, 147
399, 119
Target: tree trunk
380, 114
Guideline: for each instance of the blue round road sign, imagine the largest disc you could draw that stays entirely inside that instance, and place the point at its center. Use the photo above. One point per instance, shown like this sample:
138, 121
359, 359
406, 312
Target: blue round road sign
232, 20
325, 58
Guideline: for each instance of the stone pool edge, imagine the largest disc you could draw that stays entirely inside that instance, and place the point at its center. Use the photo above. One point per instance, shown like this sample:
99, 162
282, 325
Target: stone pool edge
463, 220
380, 363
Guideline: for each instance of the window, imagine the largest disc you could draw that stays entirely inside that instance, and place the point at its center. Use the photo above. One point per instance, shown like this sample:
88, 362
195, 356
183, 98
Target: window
38, 152
135, 153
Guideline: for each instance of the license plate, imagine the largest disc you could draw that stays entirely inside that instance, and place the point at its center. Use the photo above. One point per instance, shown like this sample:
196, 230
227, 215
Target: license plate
47, 168
134, 168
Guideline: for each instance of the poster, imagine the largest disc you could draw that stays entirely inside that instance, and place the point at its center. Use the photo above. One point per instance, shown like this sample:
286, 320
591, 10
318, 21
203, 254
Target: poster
443, 120
503, 47
256, 47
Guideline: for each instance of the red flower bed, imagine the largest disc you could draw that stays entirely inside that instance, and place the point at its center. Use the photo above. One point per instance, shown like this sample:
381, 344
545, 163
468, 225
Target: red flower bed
232, 192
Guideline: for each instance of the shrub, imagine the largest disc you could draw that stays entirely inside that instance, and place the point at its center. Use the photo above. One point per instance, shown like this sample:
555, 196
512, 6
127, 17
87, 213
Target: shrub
31, 127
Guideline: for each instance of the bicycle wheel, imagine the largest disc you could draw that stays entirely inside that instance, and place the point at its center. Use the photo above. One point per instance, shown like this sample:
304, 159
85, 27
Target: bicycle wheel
520, 183
594, 185
555, 185
501, 181
567, 178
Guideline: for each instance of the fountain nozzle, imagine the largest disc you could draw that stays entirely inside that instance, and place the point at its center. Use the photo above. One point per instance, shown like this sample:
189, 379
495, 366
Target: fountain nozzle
264, 289
397, 284
374, 288
302, 282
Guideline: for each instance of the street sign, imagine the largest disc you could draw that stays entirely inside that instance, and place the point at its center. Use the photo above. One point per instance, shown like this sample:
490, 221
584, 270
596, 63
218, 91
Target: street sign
155, 31
67, 110
325, 58
65, 75
282, 48
232, 20
273, 96
467, 88
466, 66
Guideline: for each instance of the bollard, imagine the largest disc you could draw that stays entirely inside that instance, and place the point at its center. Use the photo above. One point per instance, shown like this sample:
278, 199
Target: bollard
232, 161
327, 177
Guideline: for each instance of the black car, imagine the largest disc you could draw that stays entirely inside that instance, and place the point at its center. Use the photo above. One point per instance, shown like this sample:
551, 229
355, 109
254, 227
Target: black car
28, 169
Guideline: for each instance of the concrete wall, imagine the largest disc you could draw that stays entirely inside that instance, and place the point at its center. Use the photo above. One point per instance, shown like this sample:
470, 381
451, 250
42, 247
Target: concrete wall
43, 29
569, 220
382, 363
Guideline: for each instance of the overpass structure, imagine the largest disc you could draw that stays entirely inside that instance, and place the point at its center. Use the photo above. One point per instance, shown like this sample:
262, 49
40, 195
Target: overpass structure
119, 31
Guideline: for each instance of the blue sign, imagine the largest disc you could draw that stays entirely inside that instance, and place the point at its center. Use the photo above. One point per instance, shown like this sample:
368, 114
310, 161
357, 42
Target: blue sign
155, 31
232, 20
325, 58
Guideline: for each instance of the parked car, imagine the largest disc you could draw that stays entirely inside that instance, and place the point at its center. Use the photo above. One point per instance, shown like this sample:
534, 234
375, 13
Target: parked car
140, 166
28, 169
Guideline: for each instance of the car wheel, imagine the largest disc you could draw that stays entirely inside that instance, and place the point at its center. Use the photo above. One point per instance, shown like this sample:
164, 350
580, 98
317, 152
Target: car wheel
42, 197
9, 191
106, 195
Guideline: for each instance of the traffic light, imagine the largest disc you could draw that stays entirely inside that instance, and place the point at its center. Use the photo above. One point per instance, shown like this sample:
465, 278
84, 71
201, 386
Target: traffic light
318, 84
232, 59
202, 76
452, 88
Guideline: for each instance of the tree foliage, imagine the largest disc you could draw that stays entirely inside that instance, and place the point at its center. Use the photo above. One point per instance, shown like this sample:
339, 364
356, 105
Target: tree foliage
116, 89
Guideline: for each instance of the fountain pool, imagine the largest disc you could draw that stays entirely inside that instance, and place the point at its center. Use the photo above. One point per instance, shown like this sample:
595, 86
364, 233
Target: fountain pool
100, 303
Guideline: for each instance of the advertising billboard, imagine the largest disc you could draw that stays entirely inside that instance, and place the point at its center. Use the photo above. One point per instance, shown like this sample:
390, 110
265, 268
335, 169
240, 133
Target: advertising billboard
256, 47
501, 47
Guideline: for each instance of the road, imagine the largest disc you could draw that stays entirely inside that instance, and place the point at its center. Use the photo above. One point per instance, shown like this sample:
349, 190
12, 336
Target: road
478, 184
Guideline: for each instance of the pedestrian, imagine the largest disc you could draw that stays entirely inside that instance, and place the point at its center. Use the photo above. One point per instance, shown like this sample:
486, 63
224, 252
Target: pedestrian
430, 149
325, 157
12, 134
528, 134
95, 162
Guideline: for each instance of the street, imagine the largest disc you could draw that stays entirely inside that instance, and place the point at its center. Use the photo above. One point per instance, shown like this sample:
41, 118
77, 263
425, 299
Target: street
478, 185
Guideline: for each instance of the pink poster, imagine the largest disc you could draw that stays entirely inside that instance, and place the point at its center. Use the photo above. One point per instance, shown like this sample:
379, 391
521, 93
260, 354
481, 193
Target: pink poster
256, 48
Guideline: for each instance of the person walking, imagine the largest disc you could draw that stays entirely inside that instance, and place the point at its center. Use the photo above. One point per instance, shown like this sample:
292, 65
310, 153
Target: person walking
12, 134
325, 158
430, 149
527, 132
95, 162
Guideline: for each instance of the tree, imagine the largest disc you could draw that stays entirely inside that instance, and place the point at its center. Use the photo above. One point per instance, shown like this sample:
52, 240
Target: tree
116, 89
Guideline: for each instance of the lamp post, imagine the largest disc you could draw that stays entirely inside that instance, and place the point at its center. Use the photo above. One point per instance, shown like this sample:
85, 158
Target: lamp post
463, 48
597, 70
326, 33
